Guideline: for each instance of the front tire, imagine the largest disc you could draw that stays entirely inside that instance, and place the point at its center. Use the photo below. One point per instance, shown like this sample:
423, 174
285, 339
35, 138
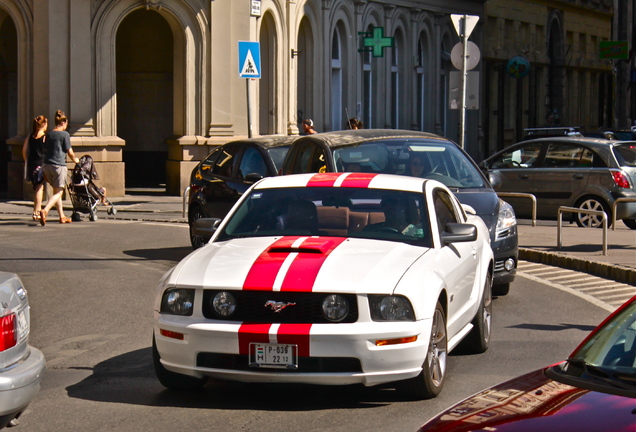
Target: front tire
590, 220
173, 380
501, 289
630, 223
430, 381
196, 212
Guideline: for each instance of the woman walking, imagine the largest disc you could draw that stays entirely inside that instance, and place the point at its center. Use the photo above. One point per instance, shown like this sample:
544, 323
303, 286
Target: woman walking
57, 146
33, 154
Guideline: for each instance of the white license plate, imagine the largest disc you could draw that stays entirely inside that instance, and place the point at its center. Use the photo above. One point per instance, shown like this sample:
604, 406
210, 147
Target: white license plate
23, 326
273, 355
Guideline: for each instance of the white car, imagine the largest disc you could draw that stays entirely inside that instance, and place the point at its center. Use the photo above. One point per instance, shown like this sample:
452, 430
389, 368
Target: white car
21, 365
333, 278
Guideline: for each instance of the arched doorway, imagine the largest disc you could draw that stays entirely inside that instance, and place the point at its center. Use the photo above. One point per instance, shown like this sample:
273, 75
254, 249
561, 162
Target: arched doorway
144, 67
305, 55
8, 93
267, 87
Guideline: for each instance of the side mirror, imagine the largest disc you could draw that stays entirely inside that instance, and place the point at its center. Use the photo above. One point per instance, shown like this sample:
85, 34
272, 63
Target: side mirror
253, 177
205, 227
456, 232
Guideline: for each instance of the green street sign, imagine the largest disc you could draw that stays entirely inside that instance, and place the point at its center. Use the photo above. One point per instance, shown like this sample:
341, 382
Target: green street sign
375, 41
617, 50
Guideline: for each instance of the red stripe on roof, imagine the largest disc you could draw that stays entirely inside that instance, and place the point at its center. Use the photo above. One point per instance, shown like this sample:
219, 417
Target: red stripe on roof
323, 180
358, 180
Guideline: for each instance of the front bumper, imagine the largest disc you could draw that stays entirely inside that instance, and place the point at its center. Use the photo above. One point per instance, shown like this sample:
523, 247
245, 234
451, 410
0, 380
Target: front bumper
331, 354
20, 383
504, 249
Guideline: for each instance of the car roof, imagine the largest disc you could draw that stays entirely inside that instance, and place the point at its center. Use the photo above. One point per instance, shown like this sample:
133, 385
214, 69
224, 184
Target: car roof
601, 142
267, 141
345, 137
336, 179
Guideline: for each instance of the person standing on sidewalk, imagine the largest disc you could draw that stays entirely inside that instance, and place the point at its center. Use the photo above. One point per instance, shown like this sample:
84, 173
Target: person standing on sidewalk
57, 146
33, 154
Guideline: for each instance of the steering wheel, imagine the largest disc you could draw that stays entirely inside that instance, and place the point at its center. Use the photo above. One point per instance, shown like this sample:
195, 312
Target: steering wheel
385, 229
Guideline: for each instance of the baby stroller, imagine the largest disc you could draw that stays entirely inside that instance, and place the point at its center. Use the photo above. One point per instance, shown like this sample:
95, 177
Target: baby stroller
85, 195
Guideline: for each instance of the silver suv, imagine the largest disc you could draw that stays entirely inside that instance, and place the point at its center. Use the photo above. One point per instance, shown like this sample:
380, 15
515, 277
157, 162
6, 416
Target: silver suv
580, 172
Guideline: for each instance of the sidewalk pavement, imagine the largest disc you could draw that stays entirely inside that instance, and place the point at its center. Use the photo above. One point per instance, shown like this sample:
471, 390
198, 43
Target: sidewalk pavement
581, 248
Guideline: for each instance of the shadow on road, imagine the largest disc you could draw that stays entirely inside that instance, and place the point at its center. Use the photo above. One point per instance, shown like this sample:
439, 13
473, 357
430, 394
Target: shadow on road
130, 379
174, 254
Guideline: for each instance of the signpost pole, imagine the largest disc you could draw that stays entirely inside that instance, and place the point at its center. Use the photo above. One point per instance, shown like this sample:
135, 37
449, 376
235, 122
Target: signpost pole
249, 108
462, 116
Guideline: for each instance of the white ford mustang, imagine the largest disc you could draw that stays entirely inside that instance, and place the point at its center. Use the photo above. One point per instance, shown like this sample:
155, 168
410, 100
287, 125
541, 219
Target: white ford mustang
334, 278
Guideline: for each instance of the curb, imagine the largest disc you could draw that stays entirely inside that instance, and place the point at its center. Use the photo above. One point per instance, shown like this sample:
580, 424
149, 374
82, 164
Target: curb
608, 271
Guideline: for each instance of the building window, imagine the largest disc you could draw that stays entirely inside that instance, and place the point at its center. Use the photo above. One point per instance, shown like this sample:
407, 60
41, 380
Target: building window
336, 81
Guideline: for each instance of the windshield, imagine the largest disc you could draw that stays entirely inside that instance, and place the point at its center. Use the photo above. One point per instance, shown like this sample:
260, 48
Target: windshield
439, 160
610, 355
338, 212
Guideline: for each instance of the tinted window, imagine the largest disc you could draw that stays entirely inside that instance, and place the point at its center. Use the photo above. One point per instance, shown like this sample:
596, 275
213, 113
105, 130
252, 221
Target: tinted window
309, 158
525, 156
560, 155
224, 164
626, 154
252, 163
278, 156
207, 165
443, 209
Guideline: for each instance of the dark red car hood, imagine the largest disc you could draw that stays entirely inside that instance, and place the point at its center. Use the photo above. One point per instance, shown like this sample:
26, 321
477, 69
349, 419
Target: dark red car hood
534, 402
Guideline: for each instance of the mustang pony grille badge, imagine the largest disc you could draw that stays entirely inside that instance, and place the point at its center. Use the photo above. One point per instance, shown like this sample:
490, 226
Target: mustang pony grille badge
278, 306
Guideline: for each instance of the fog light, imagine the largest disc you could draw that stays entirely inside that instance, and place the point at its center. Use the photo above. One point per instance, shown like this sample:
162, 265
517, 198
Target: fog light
509, 264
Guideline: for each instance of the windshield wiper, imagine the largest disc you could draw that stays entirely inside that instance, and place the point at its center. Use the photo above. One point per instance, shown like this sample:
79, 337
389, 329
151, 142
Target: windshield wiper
602, 374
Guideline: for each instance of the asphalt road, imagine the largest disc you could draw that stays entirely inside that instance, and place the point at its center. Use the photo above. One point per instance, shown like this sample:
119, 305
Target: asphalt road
91, 287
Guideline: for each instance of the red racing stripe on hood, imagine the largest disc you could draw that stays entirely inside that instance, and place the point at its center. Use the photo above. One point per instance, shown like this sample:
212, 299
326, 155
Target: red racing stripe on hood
263, 273
303, 271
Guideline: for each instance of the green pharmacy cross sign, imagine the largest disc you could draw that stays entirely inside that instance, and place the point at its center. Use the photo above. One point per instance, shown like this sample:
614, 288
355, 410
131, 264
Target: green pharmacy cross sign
375, 41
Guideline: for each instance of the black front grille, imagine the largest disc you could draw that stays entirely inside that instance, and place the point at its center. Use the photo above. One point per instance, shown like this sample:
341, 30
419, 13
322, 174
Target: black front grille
251, 307
305, 364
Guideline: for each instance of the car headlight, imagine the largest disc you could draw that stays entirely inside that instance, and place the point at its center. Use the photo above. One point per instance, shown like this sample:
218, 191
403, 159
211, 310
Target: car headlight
391, 308
505, 220
178, 301
223, 304
335, 307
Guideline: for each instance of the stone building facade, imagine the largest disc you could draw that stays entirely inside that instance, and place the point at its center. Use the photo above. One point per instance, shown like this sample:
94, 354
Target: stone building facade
151, 85
567, 78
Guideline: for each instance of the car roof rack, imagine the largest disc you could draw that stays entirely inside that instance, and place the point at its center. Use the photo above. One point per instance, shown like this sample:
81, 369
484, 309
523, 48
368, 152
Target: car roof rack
553, 132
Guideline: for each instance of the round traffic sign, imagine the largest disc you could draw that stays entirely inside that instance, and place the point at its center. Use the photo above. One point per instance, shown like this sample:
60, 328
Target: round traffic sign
473, 55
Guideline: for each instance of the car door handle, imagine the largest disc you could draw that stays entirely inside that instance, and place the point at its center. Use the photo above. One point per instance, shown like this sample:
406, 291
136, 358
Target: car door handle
578, 176
523, 176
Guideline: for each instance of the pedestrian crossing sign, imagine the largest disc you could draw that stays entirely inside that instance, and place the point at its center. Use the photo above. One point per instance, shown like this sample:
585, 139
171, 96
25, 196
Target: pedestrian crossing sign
249, 64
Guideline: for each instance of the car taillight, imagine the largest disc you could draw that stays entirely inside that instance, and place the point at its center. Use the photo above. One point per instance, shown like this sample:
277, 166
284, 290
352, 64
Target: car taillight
8, 332
621, 179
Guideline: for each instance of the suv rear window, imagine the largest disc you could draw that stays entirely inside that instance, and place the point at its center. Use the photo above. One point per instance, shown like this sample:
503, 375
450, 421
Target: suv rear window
626, 154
